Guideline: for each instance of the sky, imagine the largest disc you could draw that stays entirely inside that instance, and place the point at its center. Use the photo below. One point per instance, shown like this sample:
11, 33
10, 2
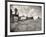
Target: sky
28, 11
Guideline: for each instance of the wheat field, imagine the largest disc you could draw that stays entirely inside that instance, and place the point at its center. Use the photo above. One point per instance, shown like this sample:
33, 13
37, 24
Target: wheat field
26, 25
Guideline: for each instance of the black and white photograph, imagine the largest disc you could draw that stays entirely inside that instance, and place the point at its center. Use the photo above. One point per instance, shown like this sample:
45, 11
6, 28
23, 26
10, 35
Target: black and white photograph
25, 18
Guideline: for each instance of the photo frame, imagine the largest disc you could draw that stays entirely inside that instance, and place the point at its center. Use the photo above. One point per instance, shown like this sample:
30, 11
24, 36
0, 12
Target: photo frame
23, 6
